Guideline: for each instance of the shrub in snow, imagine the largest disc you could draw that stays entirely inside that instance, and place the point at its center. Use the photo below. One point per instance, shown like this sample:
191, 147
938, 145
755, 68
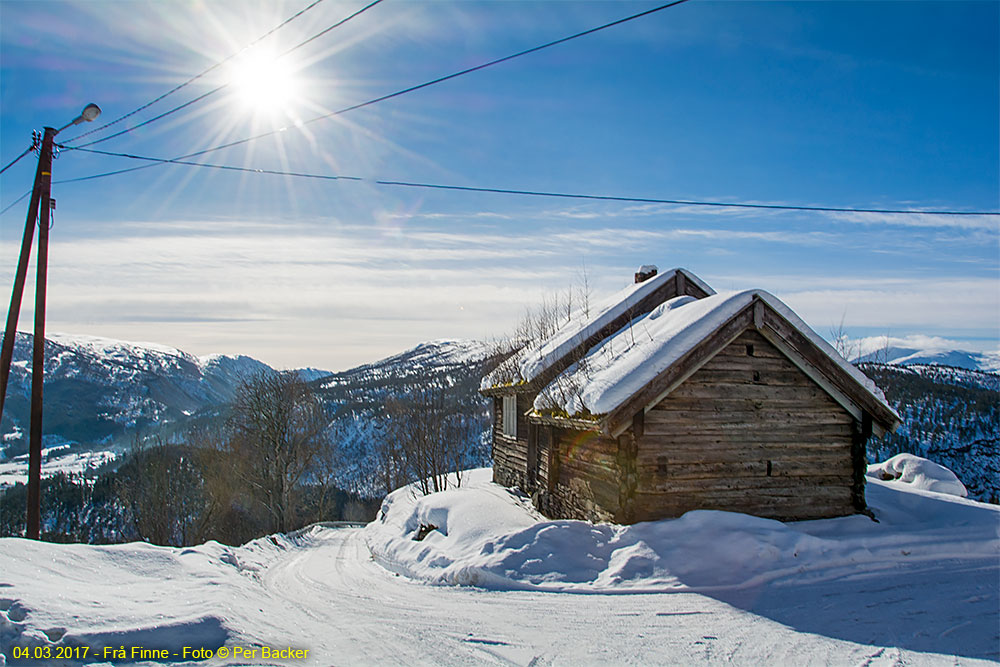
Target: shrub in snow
919, 473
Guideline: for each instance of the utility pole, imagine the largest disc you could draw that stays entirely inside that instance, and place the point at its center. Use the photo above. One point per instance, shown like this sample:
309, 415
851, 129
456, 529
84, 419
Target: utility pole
40, 196
33, 517
10, 330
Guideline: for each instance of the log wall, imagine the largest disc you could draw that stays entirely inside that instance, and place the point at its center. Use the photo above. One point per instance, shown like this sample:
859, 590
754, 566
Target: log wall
584, 479
510, 455
748, 432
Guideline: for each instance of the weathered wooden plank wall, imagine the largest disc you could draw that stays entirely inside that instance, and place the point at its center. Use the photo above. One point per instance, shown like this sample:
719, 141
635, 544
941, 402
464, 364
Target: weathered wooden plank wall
510, 455
586, 477
747, 432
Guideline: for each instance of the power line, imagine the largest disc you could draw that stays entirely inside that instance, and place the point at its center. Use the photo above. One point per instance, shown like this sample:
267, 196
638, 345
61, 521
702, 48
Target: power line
411, 89
328, 29
15, 202
226, 167
198, 76
17, 159
529, 193
225, 85
153, 119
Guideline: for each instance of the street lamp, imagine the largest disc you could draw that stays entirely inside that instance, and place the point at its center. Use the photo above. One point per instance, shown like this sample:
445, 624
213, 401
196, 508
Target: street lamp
89, 113
40, 194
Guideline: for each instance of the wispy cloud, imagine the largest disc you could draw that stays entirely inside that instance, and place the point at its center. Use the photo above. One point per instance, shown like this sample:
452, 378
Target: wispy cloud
986, 223
319, 291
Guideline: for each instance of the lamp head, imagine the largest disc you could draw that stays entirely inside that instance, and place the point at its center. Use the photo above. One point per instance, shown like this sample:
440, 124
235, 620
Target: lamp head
89, 113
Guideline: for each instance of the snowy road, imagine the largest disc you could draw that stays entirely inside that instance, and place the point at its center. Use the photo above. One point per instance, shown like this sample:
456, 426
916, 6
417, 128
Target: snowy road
370, 616
321, 590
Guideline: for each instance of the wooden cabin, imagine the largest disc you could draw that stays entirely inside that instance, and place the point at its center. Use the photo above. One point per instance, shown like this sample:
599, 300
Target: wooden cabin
691, 400
515, 384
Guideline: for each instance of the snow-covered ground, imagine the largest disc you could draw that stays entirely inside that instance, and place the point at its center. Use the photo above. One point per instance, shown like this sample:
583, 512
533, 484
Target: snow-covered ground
55, 460
919, 587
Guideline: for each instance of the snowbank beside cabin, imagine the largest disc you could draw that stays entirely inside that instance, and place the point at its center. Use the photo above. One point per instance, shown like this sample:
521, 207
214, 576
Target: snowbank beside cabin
485, 535
918, 473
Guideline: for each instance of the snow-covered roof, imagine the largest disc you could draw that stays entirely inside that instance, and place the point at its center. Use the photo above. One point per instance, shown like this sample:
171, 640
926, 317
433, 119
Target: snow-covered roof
582, 324
623, 364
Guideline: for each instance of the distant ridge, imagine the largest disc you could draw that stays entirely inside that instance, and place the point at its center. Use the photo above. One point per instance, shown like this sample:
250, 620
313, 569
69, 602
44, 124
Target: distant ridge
920, 350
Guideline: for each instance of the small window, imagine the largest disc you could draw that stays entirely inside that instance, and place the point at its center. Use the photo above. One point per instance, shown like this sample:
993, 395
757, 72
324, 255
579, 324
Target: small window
661, 465
749, 349
510, 416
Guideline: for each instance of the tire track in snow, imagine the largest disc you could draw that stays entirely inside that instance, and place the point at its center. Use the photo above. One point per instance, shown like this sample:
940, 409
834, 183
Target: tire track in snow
372, 616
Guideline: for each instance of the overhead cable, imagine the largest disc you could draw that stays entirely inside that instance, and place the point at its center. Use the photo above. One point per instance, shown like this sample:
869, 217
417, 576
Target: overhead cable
411, 89
530, 193
223, 86
15, 202
17, 159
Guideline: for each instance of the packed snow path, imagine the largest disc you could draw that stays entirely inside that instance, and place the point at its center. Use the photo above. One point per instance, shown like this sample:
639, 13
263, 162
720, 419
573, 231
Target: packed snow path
376, 617
322, 591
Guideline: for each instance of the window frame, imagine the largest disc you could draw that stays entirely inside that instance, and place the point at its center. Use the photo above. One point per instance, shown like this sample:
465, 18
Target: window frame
509, 415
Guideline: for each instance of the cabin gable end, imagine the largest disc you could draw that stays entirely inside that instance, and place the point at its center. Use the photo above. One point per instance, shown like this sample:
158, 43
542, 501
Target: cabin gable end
749, 432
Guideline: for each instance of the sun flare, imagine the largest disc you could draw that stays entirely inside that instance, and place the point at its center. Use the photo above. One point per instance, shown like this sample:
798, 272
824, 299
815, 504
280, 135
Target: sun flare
265, 84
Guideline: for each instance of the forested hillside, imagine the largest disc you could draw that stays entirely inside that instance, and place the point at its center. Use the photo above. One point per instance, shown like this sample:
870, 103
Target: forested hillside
409, 415
416, 415
950, 415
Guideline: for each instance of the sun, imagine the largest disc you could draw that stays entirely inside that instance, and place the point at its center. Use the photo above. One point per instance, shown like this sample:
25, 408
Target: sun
265, 84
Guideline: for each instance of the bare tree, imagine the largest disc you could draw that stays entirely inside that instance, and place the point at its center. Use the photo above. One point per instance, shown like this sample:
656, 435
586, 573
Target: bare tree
881, 355
162, 491
430, 437
842, 343
585, 289
276, 432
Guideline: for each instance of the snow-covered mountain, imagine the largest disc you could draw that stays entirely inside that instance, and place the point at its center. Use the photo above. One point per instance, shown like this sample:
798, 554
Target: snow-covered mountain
454, 358
357, 398
99, 391
912, 350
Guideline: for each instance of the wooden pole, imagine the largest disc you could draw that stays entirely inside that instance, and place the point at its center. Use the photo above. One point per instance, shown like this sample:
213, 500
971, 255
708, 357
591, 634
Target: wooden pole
33, 518
10, 332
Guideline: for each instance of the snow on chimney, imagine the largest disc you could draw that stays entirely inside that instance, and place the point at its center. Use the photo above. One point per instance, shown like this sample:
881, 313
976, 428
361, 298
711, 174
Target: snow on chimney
645, 272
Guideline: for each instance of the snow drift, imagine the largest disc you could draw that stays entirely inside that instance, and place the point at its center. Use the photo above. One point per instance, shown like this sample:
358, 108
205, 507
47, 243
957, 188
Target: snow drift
485, 535
918, 473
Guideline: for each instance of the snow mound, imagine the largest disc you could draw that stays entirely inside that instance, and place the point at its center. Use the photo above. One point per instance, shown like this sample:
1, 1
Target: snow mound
118, 585
918, 473
485, 535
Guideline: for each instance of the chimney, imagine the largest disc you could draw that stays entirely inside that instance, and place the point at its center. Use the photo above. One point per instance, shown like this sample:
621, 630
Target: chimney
645, 272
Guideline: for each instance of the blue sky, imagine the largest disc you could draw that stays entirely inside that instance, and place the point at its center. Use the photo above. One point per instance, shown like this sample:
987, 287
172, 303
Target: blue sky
880, 105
